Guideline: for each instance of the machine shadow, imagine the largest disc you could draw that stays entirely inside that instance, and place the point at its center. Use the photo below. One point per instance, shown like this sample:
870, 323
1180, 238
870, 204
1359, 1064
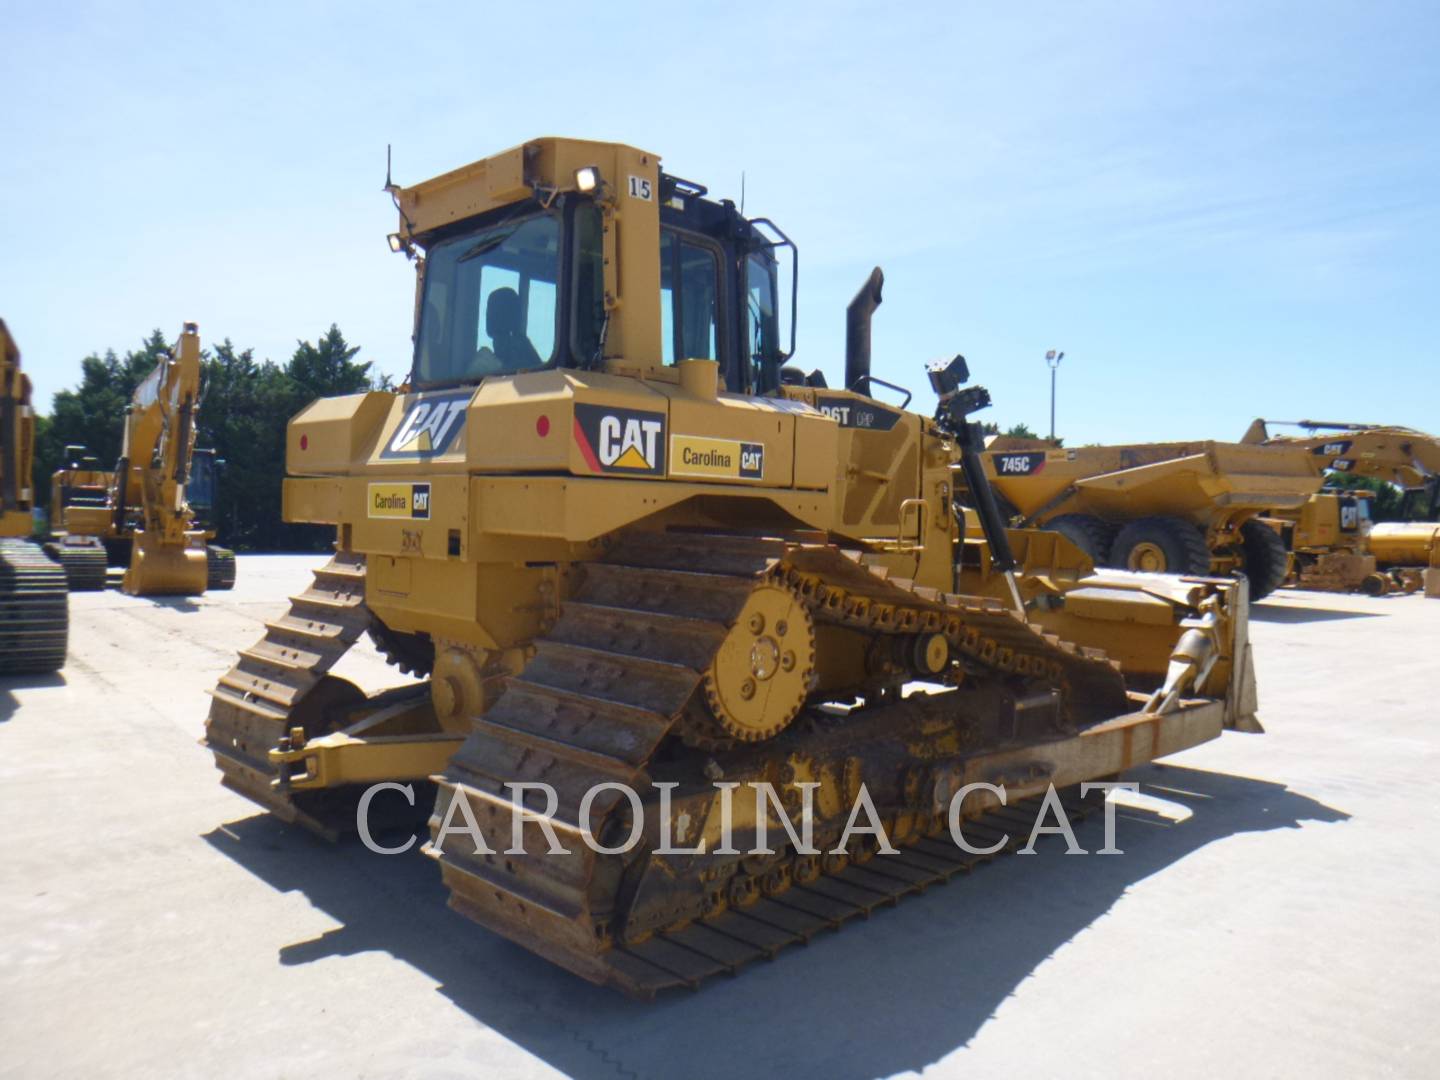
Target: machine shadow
1288, 615
890, 995
185, 604
8, 705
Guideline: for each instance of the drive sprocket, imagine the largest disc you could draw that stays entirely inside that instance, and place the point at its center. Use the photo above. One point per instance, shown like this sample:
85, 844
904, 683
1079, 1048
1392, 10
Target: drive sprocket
761, 674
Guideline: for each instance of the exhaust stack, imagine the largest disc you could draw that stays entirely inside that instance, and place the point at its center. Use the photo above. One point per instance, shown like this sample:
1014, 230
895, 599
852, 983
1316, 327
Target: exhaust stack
857, 330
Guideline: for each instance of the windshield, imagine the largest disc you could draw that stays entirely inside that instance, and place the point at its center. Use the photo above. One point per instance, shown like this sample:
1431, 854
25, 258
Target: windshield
490, 302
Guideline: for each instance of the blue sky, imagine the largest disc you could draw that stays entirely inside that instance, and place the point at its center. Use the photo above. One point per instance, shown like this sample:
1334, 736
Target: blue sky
1217, 210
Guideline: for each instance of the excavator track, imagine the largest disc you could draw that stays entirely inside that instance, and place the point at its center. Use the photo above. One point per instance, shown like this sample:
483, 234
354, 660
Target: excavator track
618, 672
282, 682
219, 568
34, 610
85, 565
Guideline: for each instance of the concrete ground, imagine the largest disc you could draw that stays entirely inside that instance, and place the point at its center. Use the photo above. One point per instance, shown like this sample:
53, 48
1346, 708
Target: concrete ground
1279, 916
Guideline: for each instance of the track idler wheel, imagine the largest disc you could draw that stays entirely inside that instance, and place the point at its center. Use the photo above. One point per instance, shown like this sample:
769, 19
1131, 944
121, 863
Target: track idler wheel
761, 673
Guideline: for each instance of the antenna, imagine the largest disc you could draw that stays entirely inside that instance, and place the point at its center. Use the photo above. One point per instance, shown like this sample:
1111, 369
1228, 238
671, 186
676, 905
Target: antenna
742, 192
393, 191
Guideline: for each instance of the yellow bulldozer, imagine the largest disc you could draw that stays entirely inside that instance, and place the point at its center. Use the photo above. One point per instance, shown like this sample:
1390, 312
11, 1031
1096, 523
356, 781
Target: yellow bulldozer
34, 605
1336, 545
646, 569
147, 514
1179, 508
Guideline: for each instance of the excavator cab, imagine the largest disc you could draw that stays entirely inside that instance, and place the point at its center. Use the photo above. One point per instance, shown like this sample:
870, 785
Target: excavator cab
202, 489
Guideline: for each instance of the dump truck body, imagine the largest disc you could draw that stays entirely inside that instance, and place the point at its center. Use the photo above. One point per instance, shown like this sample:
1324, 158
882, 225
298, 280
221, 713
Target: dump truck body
1186, 507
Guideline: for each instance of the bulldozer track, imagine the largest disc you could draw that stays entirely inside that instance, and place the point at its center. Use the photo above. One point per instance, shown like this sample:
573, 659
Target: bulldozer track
722, 944
34, 611
613, 677
259, 700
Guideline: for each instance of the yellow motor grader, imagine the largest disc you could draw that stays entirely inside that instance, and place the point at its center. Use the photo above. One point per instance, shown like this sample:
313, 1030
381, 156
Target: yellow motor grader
1180, 508
1335, 544
34, 606
642, 564
143, 515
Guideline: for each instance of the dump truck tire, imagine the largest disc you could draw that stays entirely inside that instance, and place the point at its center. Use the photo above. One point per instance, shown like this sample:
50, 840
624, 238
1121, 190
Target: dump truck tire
1267, 563
1162, 544
1090, 534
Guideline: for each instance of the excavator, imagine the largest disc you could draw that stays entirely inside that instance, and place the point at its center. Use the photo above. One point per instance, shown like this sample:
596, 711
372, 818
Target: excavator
1336, 547
147, 514
643, 567
34, 602
81, 519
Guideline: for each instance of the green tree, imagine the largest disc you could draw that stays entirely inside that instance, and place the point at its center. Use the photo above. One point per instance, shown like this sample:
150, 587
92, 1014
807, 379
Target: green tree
327, 368
243, 411
1018, 431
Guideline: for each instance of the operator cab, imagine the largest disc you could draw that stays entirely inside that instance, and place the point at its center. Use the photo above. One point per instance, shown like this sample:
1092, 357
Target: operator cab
522, 288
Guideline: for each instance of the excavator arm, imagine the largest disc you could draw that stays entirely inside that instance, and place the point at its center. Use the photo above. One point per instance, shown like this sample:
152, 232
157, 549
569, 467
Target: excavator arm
1402, 456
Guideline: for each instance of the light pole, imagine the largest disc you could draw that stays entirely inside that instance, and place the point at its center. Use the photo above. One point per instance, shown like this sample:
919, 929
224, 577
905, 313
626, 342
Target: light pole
1053, 358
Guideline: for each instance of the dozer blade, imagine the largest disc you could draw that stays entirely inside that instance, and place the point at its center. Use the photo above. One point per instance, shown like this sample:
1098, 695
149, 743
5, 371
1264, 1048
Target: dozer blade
159, 569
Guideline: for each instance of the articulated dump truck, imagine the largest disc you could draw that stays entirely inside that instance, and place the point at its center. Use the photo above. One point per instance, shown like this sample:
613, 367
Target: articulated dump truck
1335, 545
645, 569
1178, 508
34, 605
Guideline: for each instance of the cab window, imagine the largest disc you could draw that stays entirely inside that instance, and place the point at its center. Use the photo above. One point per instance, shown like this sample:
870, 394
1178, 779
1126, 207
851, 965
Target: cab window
490, 302
689, 299
762, 325
588, 324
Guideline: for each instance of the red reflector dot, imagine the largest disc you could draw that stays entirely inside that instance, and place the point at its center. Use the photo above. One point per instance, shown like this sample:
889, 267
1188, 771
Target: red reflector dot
542, 426
304, 442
